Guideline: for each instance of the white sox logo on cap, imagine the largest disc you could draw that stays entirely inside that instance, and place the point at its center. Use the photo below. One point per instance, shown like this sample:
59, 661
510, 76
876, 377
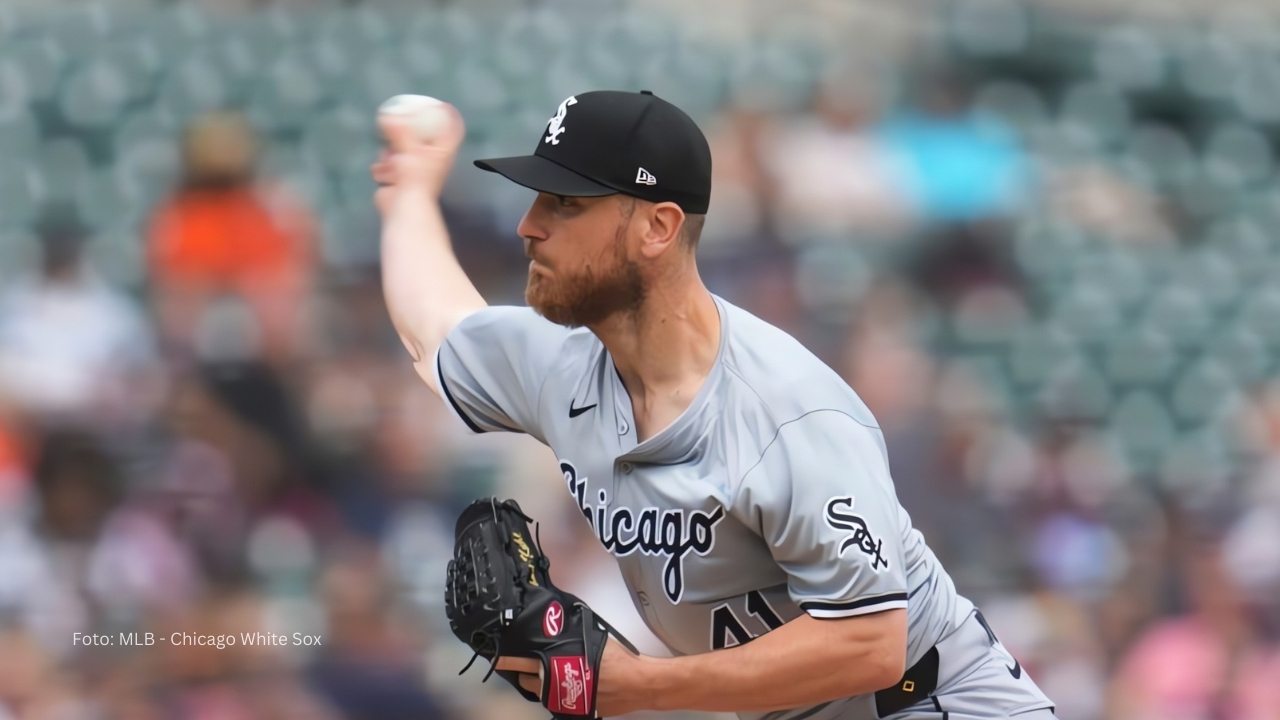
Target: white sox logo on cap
555, 126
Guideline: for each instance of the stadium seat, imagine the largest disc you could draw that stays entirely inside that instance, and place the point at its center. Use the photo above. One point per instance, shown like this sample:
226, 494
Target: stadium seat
1206, 65
1180, 314
147, 123
1256, 90
988, 316
1196, 463
146, 169
1208, 272
1240, 351
40, 64
22, 192
14, 97
1244, 241
1141, 423
19, 134
286, 95
993, 29
1038, 350
1089, 312
1166, 151
1141, 356
192, 86
116, 252
1202, 390
140, 59
1260, 314
831, 277
19, 250
61, 162
1099, 107
95, 94
329, 139
1018, 104
1131, 58
1238, 156
1077, 391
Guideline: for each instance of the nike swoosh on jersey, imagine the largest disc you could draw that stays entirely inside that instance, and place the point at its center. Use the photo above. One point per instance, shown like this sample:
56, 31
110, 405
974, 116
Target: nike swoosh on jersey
1015, 670
575, 412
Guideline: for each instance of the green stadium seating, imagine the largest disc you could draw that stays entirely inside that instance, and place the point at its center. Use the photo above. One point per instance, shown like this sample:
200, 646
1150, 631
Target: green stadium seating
1260, 314
1089, 312
1140, 357
1202, 390
1180, 314
94, 94
1141, 423
1039, 350
1241, 352
1077, 392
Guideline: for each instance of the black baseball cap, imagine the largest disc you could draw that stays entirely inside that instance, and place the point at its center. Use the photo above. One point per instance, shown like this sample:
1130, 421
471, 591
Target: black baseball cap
606, 141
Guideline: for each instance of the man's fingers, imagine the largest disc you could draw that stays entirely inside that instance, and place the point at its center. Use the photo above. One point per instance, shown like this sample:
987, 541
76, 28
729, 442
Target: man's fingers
399, 133
531, 683
520, 665
402, 133
530, 672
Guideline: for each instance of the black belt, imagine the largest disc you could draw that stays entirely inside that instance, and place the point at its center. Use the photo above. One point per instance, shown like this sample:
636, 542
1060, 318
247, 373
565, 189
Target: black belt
916, 684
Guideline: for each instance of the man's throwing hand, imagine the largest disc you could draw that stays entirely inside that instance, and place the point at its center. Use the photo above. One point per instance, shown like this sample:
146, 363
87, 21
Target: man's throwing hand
411, 161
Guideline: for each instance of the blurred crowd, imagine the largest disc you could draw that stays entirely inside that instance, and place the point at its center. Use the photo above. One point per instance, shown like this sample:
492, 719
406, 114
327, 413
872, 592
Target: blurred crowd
236, 442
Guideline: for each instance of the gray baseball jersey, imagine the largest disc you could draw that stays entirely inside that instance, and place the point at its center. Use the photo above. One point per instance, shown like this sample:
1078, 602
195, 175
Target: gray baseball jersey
770, 496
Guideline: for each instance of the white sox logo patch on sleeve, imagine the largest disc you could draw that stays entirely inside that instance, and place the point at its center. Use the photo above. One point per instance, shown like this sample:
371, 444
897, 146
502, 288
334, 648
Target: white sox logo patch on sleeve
840, 516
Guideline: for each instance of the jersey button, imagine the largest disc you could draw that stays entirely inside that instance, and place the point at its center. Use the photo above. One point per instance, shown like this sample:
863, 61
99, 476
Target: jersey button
626, 468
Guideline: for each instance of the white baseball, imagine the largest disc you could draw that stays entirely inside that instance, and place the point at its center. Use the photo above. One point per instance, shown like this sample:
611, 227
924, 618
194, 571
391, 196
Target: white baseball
427, 114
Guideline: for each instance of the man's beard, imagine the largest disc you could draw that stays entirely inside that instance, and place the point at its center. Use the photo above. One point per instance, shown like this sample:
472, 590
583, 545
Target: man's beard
590, 296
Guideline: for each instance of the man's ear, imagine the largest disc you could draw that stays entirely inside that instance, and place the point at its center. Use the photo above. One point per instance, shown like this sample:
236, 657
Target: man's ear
662, 232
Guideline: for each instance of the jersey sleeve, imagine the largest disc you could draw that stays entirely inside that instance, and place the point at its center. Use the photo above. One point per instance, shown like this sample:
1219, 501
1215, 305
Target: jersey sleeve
491, 368
822, 498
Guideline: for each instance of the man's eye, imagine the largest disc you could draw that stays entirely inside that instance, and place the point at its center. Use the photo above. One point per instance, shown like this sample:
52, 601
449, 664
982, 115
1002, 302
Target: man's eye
564, 201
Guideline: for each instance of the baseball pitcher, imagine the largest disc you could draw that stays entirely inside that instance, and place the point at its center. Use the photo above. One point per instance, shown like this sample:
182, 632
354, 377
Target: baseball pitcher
743, 487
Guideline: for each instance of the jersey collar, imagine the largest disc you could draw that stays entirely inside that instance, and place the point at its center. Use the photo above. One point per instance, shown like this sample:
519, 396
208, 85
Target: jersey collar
679, 441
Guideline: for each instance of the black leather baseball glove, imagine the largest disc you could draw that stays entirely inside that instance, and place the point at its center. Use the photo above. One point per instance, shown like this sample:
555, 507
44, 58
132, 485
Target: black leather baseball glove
500, 602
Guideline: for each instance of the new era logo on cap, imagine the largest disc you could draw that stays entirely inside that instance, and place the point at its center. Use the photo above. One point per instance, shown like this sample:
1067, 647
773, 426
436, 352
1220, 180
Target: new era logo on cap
606, 142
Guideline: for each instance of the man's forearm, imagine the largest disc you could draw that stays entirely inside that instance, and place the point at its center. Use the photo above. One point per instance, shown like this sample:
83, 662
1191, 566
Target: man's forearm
426, 290
805, 662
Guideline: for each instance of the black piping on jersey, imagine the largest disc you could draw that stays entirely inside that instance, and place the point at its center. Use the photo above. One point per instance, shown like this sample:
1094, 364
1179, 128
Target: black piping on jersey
938, 706
1051, 708
854, 604
444, 387
778, 431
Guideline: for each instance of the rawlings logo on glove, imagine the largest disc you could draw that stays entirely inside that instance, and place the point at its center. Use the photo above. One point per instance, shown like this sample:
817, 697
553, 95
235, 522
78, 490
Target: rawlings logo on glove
500, 602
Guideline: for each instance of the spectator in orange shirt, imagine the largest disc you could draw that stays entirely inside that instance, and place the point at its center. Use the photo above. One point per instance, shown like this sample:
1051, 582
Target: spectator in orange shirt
227, 240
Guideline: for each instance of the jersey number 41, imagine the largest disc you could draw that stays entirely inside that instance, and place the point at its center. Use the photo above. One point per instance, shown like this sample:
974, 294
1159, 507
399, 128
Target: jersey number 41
727, 630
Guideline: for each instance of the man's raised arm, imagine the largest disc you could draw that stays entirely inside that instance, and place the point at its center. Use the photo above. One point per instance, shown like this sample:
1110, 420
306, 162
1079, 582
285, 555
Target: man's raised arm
426, 290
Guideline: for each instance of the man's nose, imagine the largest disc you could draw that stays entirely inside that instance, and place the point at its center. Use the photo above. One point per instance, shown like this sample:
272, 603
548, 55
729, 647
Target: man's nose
530, 228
